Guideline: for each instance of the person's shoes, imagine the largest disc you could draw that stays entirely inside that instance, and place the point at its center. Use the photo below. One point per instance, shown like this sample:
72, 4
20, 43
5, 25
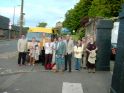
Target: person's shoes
94, 70
64, 70
24, 64
84, 67
77, 69
61, 71
56, 71
69, 71
29, 64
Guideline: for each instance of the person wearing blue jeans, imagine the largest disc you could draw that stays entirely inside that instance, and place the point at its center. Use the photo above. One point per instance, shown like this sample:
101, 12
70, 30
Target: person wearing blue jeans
78, 50
77, 63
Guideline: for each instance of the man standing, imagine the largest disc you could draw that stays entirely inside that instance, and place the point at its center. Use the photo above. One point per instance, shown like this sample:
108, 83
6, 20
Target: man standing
22, 47
48, 54
69, 50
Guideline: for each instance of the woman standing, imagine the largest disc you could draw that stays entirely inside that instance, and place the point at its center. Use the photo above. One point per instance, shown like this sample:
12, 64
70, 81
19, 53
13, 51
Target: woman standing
78, 50
33, 49
60, 52
54, 50
91, 53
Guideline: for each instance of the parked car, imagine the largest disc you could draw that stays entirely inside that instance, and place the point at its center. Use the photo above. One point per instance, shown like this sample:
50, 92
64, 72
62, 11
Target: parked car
113, 50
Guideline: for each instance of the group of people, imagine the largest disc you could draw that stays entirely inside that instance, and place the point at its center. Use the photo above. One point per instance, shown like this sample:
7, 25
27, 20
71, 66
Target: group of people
60, 53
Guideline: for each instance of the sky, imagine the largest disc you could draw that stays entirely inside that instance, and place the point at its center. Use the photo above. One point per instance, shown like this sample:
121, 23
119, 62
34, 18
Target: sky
50, 11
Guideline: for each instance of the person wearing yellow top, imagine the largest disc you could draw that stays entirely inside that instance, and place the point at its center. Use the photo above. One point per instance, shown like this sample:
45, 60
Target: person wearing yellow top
78, 50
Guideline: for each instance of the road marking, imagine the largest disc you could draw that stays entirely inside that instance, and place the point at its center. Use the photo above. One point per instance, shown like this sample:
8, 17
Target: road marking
72, 87
5, 92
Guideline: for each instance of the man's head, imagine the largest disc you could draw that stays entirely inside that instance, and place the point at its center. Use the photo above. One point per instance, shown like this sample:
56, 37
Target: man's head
55, 39
22, 36
68, 37
49, 40
60, 39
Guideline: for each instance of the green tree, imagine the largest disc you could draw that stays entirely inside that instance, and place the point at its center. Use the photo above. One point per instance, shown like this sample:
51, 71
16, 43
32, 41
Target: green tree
105, 8
73, 16
42, 24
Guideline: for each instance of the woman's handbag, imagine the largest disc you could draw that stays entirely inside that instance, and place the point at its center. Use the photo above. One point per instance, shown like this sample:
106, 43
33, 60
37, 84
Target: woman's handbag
92, 57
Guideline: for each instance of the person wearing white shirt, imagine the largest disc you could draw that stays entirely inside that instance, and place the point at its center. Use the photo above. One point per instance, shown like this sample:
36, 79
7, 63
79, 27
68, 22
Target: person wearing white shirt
48, 54
22, 47
78, 50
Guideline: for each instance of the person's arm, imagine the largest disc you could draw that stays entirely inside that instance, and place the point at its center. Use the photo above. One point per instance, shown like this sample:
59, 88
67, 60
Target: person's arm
45, 46
18, 45
88, 50
26, 46
72, 45
82, 48
96, 49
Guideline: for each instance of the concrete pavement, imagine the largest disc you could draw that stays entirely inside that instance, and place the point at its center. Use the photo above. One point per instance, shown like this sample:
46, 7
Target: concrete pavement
8, 46
35, 80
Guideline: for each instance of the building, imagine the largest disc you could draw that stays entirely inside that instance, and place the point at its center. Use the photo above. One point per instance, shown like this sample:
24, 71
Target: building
4, 27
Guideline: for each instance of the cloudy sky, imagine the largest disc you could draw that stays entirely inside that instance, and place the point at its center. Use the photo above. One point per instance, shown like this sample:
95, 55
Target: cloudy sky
50, 11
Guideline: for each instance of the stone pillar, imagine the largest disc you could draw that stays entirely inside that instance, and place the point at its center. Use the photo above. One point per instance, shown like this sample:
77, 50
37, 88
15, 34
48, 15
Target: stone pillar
117, 85
103, 42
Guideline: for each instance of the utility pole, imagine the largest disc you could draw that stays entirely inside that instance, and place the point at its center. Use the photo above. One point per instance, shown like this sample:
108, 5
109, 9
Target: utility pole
21, 17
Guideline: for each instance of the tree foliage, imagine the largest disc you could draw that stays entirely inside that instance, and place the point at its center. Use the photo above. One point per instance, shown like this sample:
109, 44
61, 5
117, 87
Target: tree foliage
105, 8
42, 24
91, 8
73, 16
